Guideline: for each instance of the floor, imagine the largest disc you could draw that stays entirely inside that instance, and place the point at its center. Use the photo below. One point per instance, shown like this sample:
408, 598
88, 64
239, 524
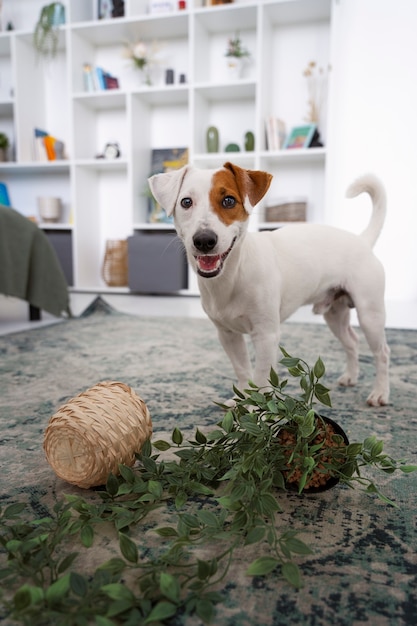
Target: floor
14, 313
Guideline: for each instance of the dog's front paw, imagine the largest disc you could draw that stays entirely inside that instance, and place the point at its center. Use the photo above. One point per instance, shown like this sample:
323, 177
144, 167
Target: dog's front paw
230, 403
347, 380
378, 397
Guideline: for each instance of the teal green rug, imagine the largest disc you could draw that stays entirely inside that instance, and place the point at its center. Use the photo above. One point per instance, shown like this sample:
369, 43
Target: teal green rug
363, 570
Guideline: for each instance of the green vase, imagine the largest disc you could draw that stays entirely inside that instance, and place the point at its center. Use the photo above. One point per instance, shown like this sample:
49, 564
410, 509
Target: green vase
212, 139
249, 141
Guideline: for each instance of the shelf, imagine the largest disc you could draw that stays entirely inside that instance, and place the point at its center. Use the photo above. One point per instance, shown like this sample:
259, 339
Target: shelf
299, 155
100, 165
101, 100
154, 226
117, 31
32, 167
107, 196
55, 226
227, 92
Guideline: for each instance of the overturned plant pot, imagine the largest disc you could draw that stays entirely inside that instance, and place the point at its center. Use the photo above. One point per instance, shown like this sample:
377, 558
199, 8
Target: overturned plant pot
313, 462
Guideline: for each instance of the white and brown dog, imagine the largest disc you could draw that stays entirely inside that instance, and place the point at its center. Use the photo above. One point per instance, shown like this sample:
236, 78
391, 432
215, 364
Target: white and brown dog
251, 282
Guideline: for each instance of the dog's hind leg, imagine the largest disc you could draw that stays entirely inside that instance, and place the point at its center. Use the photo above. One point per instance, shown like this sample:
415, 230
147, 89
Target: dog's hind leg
338, 320
372, 322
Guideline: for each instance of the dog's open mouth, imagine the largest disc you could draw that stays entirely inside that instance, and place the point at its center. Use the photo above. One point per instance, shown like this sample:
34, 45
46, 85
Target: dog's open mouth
211, 265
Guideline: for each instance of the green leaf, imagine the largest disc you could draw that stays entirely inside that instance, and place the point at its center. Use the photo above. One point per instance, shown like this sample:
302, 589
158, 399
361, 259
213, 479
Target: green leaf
14, 510
128, 548
161, 445
161, 611
170, 587
353, 449
67, 562
208, 518
22, 598
273, 377
298, 547
58, 589
262, 566
205, 610
407, 469
200, 437
103, 621
113, 566
177, 436
292, 574
319, 369
322, 394
146, 449
155, 488
78, 584
227, 422
87, 535
254, 535
127, 473
112, 485
166, 531
118, 591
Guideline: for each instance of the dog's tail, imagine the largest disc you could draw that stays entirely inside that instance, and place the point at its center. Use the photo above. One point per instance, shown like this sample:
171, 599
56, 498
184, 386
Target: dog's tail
372, 185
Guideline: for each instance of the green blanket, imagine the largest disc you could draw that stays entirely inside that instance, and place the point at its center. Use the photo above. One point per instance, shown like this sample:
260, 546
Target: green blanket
29, 267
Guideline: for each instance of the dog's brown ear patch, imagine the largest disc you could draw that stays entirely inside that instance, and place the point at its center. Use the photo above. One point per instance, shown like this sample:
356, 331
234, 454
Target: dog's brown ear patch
251, 183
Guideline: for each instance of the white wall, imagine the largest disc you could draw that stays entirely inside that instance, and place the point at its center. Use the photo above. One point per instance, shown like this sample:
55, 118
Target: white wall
373, 127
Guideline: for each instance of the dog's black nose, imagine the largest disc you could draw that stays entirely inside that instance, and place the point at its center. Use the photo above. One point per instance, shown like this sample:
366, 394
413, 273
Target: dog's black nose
205, 240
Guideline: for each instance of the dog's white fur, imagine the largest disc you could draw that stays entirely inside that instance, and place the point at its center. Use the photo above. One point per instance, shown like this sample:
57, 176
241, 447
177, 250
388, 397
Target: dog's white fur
260, 279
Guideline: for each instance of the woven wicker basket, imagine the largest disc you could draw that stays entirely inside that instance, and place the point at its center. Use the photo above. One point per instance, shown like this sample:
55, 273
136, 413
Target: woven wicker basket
115, 265
91, 434
293, 211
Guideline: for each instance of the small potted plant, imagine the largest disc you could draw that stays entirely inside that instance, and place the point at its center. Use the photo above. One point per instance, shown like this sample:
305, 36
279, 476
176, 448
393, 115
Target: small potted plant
236, 55
46, 34
4, 146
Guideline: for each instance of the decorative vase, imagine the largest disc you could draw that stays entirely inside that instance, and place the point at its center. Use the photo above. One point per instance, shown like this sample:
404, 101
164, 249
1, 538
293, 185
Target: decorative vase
145, 77
212, 139
249, 141
234, 66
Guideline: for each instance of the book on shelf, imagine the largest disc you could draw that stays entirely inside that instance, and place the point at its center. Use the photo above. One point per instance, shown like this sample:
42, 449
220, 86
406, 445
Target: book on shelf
46, 147
97, 79
164, 160
275, 133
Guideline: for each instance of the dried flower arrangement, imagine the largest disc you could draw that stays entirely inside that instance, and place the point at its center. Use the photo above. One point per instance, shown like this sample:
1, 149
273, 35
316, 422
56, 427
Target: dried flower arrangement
143, 57
317, 78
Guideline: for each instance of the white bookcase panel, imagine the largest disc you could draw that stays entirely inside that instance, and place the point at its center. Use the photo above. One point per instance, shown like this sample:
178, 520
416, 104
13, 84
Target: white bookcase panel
107, 199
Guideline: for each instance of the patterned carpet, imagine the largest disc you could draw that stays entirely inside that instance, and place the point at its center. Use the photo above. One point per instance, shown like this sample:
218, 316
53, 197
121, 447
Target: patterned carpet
364, 567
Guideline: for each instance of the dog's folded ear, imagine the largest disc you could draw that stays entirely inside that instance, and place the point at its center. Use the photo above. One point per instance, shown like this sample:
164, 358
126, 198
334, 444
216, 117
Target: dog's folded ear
166, 187
251, 183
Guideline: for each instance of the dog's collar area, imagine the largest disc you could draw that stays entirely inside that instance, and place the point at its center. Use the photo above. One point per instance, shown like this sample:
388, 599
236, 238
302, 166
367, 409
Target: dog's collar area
210, 265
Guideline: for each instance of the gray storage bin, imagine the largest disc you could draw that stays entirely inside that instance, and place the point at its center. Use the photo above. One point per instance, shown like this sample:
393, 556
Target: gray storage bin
156, 263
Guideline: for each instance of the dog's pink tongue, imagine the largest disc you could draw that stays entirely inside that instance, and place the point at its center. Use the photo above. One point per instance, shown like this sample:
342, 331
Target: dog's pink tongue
208, 263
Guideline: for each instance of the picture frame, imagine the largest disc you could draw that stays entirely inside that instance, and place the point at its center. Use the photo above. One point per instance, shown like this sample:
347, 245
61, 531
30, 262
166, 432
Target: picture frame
300, 137
104, 9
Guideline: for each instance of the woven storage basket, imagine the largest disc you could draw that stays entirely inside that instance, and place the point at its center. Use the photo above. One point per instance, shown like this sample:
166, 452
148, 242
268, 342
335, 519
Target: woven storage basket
91, 434
294, 211
115, 267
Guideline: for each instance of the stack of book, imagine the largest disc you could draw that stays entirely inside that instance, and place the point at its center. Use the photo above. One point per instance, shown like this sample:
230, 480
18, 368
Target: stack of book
275, 133
97, 79
46, 147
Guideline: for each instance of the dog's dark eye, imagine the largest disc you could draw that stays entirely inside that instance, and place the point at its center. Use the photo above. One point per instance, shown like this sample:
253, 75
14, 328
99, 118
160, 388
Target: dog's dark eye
186, 203
229, 202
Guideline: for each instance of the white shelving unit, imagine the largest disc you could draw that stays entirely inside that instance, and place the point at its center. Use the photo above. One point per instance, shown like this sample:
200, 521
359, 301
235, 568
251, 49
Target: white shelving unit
105, 199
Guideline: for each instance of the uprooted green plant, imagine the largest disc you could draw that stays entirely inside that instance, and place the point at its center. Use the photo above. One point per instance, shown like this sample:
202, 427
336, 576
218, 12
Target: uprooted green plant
234, 473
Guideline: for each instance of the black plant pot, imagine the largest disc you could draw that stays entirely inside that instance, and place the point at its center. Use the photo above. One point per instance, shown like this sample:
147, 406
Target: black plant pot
332, 480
